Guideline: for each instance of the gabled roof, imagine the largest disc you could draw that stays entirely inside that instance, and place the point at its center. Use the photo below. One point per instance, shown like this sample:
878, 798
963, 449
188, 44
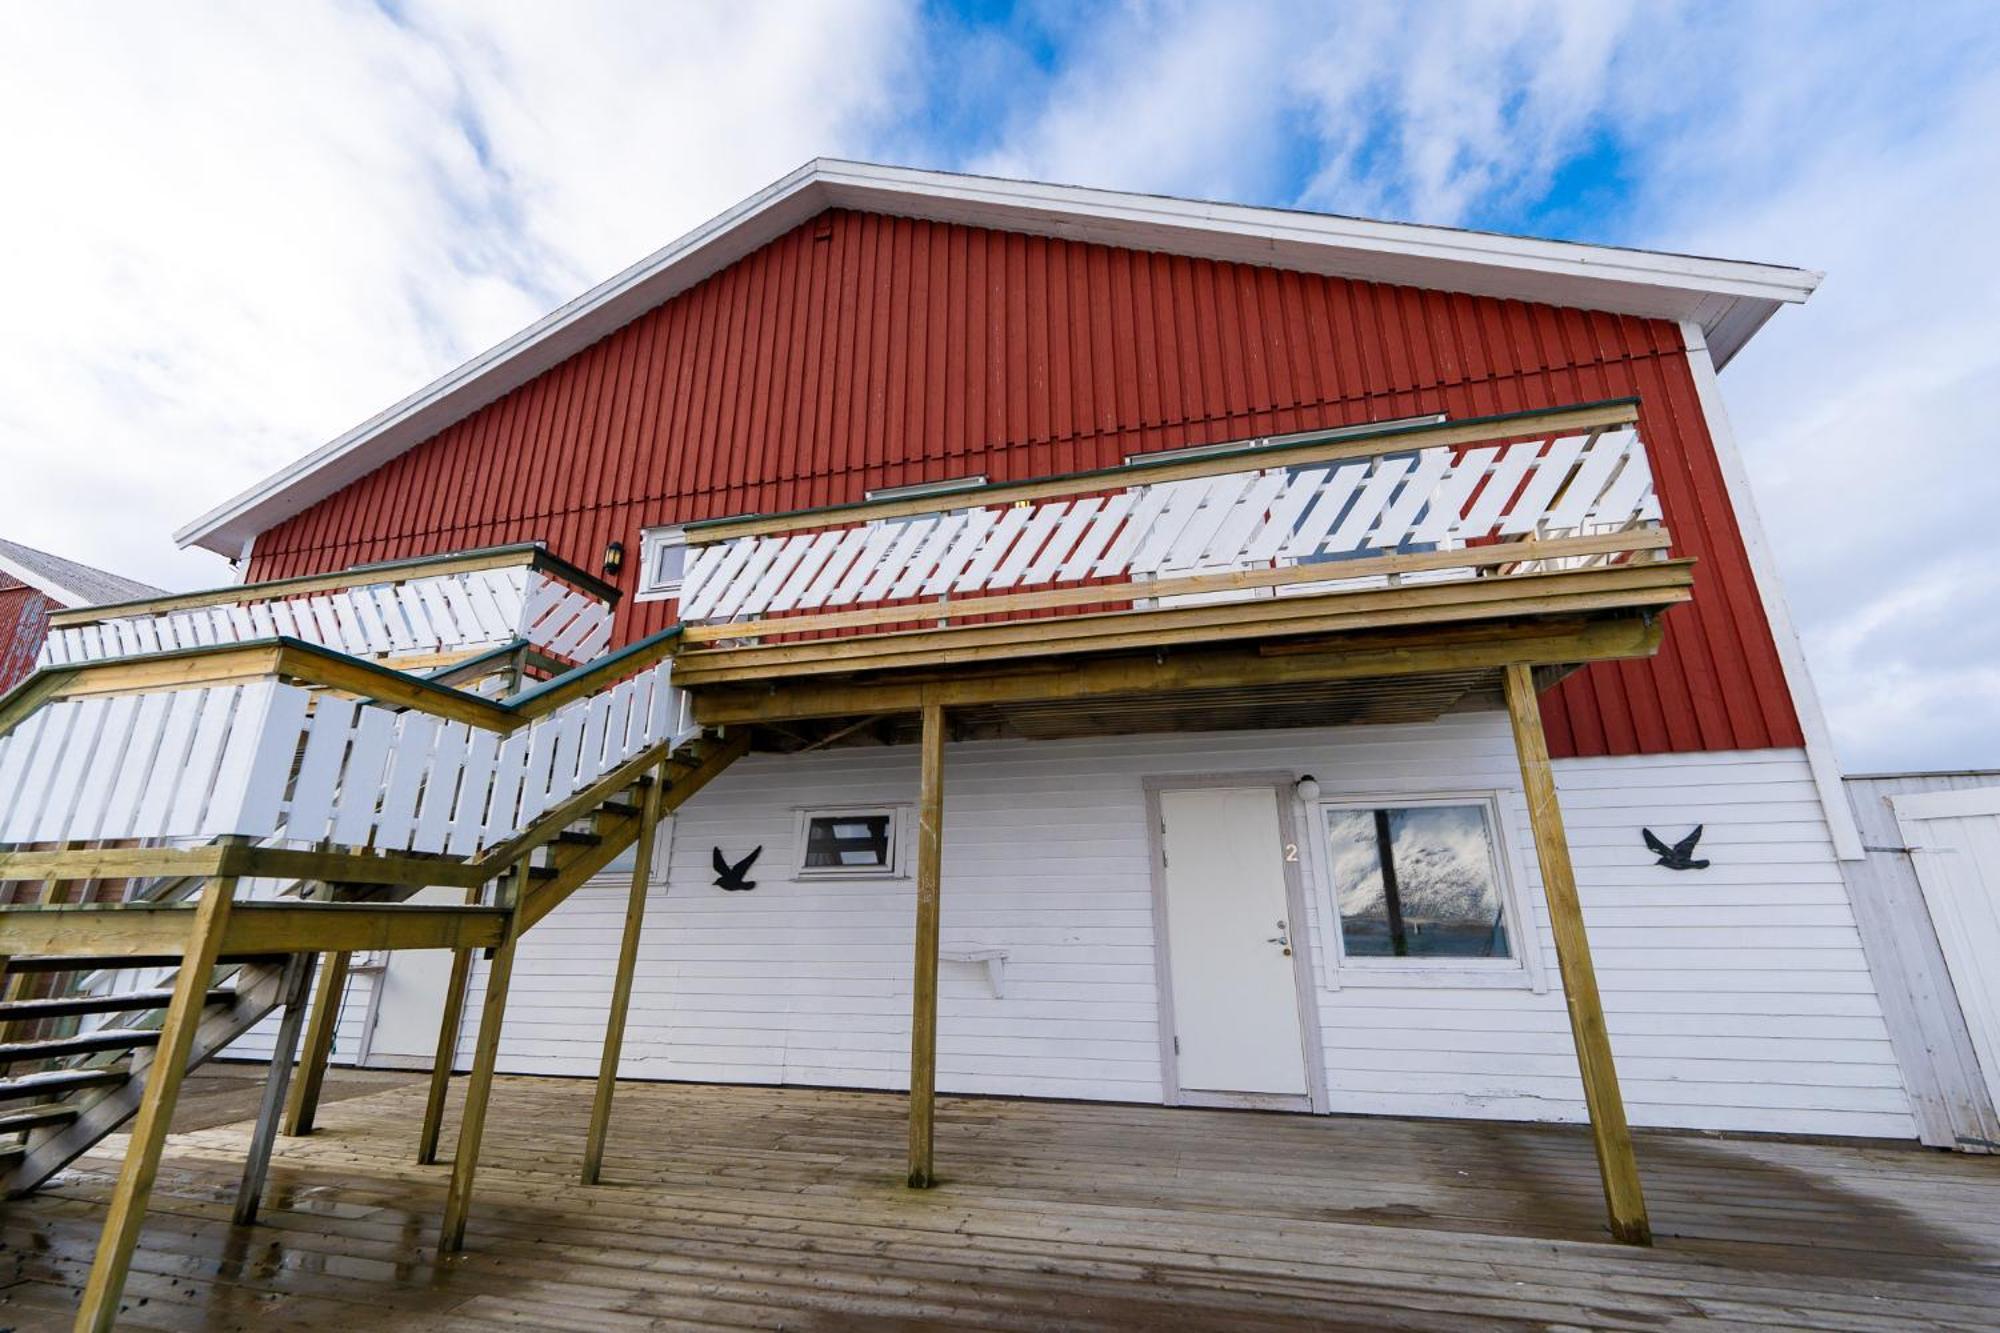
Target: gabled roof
1729, 299
68, 582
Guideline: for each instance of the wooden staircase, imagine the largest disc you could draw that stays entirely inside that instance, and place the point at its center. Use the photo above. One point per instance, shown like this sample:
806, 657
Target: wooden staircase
62, 1094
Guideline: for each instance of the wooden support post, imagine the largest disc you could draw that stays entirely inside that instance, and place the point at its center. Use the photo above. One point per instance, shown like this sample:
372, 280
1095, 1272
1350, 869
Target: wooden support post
449, 1025
1610, 1135
304, 1103
923, 998
296, 989
479, 1088
99, 1306
621, 985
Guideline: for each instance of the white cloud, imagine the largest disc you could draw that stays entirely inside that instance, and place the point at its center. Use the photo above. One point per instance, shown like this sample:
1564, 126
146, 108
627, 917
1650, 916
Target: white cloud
235, 230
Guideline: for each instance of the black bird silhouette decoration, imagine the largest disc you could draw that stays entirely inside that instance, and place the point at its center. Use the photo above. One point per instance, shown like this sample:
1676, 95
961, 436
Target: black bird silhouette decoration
1680, 856
730, 877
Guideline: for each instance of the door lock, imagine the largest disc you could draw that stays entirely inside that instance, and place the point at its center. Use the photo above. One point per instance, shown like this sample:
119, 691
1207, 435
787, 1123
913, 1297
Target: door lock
1283, 937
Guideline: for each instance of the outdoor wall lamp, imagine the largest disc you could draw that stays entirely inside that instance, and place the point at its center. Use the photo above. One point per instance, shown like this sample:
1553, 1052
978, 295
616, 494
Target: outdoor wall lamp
1308, 788
614, 558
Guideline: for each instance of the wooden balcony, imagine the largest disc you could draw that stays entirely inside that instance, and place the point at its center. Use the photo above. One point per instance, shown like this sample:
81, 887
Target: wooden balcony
1254, 584
415, 614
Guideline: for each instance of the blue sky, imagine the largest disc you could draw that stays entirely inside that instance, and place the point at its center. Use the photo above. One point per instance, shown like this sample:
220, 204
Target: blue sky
236, 229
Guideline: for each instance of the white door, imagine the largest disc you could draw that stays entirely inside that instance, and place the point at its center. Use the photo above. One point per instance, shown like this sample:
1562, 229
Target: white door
1235, 992
1954, 841
411, 1002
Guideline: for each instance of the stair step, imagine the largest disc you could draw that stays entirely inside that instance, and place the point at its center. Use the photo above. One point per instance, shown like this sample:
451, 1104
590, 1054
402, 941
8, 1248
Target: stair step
64, 1006
58, 1081
543, 872
39, 1116
618, 808
102, 962
578, 838
84, 1043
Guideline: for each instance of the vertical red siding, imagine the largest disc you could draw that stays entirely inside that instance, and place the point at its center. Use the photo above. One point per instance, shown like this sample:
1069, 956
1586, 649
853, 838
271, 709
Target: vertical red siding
861, 351
24, 623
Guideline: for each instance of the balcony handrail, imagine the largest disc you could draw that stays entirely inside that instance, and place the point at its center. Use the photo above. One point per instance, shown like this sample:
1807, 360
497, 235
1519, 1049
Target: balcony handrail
1527, 493
532, 554
289, 740
412, 612
1318, 447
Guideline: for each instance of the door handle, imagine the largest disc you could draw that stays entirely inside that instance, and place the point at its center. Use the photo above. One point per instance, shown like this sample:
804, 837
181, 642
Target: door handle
1283, 937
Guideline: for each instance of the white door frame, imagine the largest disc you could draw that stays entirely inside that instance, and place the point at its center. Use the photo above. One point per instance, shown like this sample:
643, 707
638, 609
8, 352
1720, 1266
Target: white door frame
1963, 964
1300, 924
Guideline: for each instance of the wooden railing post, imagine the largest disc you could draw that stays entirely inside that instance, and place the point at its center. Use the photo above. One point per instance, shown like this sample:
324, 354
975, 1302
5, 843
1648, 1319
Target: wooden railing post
479, 1088
621, 985
1609, 1134
295, 989
449, 1025
304, 1102
923, 996
99, 1307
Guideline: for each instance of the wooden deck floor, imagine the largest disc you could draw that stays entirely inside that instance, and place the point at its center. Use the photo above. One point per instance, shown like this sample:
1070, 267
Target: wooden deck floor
784, 1208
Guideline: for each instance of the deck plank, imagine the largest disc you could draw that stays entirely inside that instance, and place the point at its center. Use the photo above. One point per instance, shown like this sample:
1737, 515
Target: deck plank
782, 1207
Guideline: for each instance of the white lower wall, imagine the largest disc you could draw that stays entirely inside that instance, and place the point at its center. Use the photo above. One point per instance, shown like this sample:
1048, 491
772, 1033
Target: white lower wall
1737, 996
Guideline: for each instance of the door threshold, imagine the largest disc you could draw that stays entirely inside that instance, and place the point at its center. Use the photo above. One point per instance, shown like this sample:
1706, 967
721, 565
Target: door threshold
1247, 1101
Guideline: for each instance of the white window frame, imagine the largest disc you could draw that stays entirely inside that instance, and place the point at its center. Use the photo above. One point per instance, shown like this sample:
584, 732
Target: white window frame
895, 866
1523, 970
651, 542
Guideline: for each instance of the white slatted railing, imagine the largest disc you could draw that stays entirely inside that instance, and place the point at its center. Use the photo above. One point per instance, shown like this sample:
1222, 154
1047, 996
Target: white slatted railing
272, 761
407, 614
1437, 498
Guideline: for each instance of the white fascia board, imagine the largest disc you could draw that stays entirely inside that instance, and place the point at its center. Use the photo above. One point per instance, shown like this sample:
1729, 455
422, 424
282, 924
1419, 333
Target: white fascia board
1820, 754
1728, 299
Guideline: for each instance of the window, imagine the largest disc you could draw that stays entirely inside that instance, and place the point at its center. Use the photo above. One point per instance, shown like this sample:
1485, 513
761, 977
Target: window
858, 842
662, 562
1418, 880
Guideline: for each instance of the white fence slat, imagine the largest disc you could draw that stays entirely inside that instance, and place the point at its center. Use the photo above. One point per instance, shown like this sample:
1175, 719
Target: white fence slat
1042, 520
17, 766
1097, 537
483, 592
617, 727
510, 773
593, 644
837, 562
433, 821
409, 763
1217, 505
1441, 517
38, 767
66, 775
910, 535
466, 814
319, 770
703, 585
114, 736
992, 548
957, 553
917, 569
196, 776
748, 577
590, 751
170, 764
121, 809
1627, 491
1063, 542
1551, 470
269, 721
1593, 469
1392, 529
540, 761
1501, 484
1351, 533
362, 776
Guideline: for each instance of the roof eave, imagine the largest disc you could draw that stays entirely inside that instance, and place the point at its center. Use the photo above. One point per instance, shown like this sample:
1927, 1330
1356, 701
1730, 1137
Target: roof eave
1729, 299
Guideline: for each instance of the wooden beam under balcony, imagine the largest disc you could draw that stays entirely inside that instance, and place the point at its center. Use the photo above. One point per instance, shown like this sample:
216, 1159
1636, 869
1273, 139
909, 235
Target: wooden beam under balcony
254, 929
1649, 586
1244, 664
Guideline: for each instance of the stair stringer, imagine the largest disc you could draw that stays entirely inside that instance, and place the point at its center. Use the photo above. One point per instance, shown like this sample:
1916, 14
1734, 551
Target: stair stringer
50, 1150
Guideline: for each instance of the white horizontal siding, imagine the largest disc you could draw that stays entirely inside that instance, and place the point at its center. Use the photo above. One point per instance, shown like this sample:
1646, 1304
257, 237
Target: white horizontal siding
1737, 996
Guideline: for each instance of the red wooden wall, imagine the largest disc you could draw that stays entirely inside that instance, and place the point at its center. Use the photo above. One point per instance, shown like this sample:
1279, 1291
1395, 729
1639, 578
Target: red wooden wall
861, 351
24, 623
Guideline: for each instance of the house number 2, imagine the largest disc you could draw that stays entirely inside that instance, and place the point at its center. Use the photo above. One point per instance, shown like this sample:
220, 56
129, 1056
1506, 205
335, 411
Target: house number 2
1291, 851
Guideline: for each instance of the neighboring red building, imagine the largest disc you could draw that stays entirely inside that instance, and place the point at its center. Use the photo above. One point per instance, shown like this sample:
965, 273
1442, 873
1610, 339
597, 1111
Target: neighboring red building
33, 584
